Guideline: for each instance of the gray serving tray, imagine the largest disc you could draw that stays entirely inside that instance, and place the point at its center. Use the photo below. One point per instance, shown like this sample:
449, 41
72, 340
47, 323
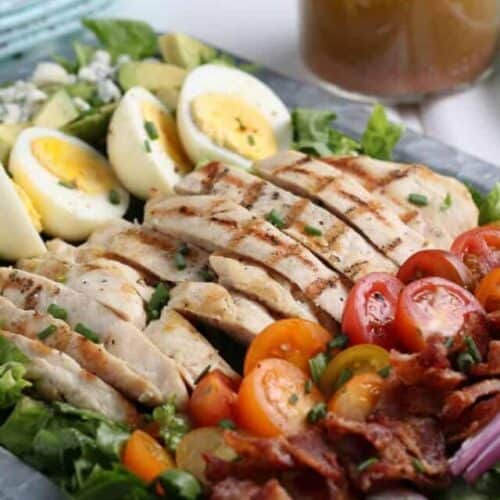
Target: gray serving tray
20, 482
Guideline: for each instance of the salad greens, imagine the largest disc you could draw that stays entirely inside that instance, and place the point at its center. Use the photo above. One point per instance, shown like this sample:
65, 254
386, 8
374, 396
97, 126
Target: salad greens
121, 36
489, 205
173, 426
487, 487
12, 371
314, 135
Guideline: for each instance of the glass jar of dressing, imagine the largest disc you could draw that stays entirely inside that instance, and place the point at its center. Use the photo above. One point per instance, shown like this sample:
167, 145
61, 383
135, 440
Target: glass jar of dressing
399, 50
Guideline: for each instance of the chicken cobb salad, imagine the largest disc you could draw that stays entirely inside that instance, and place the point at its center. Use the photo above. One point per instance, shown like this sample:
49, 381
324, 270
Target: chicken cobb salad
207, 295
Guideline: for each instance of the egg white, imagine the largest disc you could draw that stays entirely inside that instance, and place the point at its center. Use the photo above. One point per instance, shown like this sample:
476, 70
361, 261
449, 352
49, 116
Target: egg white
217, 78
70, 214
139, 169
18, 237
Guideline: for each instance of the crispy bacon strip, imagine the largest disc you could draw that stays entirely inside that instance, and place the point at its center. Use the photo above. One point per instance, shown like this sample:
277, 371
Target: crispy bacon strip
411, 450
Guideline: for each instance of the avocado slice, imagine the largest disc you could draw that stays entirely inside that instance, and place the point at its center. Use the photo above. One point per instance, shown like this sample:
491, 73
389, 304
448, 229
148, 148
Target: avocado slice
150, 75
57, 111
92, 127
8, 136
184, 51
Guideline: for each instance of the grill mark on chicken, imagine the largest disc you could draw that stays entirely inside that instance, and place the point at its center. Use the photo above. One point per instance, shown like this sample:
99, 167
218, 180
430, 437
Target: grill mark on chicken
296, 211
316, 288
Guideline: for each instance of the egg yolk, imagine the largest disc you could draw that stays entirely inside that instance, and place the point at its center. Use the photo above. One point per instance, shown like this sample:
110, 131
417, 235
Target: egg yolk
30, 208
168, 138
73, 165
232, 123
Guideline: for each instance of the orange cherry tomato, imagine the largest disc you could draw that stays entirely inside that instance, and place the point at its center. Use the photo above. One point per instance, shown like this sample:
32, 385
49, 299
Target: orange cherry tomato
479, 249
357, 398
295, 340
212, 400
488, 291
145, 457
274, 398
432, 306
370, 308
435, 263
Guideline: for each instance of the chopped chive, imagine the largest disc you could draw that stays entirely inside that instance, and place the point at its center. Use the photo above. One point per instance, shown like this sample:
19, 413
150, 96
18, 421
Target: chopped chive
339, 342
447, 203
472, 349
227, 424
293, 399
158, 300
251, 140
312, 231
67, 185
183, 249
345, 375
180, 261
62, 278
385, 371
308, 385
275, 219
87, 333
465, 362
317, 366
47, 332
316, 413
151, 130
418, 466
57, 312
206, 274
202, 374
367, 463
418, 199
147, 146
448, 342
114, 197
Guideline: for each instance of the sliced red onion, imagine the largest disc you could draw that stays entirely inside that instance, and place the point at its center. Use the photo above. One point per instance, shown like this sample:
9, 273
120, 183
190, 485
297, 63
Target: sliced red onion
484, 462
473, 447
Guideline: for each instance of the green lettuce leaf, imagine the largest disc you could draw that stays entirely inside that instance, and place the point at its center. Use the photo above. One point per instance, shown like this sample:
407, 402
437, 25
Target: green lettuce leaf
313, 134
173, 426
380, 136
83, 53
114, 484
489, 207
121, 36
12, 372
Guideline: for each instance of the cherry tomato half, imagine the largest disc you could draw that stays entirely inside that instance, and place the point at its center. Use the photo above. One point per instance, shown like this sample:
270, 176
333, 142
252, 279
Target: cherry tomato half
488, 291
295, 340
363, 358
432, 306
370, 308
357, 398
274, 398
435, 263
213, 400
479, 249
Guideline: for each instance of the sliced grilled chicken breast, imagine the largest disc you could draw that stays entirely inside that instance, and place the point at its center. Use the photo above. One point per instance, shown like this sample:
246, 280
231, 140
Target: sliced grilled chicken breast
152, 252
449, 210
58, 377
178, 339
103, 283
255, 282
93, 357
120, 338
213, 304
345, 197
326, 235
215, 223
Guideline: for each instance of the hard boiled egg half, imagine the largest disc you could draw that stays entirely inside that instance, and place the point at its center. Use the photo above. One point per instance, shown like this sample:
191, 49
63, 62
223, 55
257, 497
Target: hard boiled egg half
228, 115
70, 184
144, 146
20, 225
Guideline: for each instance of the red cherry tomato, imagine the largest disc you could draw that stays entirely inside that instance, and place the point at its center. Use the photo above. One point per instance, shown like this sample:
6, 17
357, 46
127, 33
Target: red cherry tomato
369, 310
213, 400
432, 306
479, 249
438, 263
